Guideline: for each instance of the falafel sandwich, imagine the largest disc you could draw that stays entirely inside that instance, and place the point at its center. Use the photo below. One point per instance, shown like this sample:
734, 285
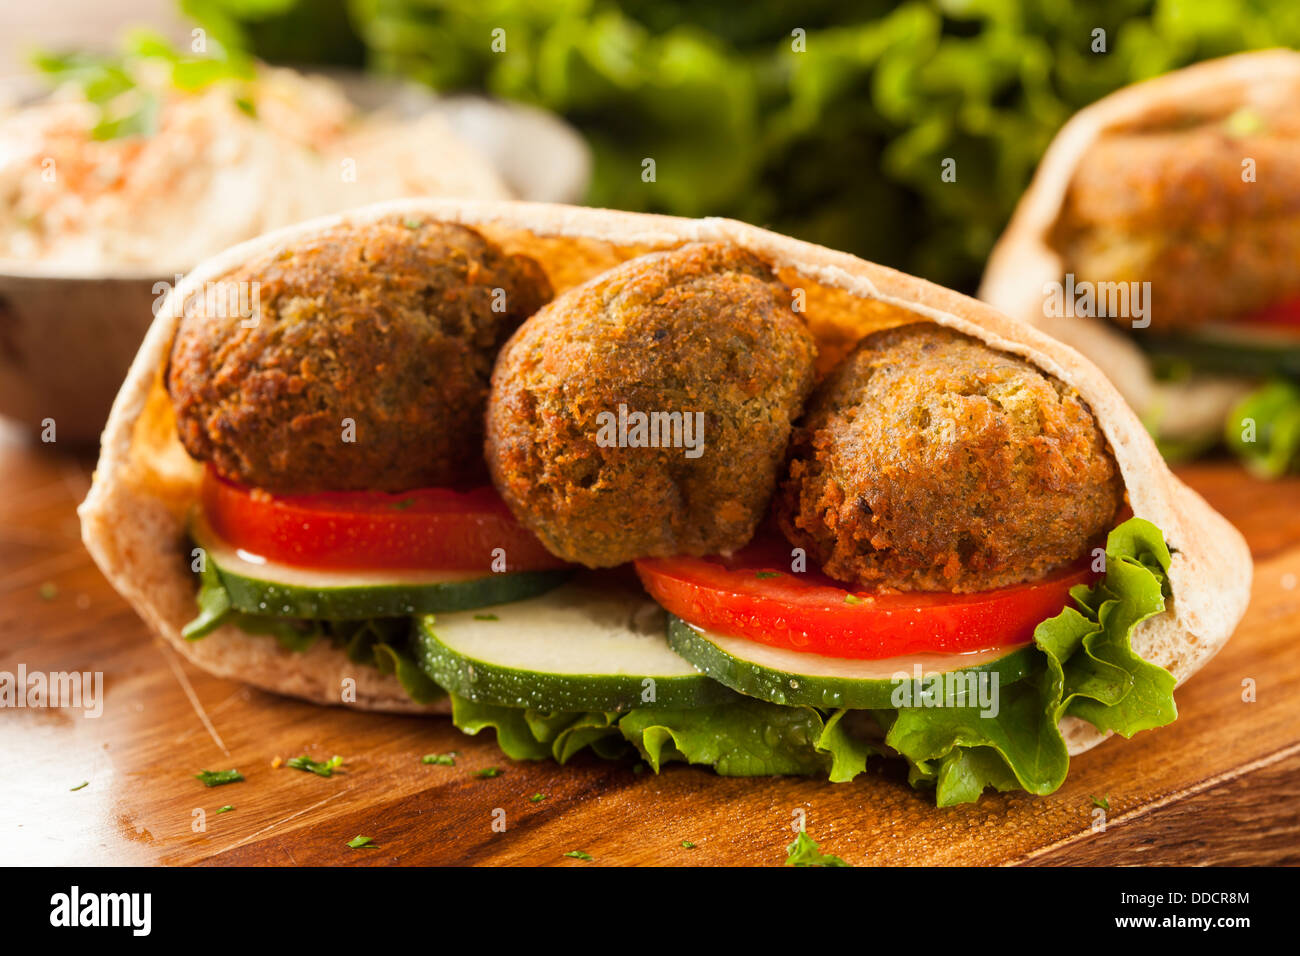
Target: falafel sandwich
683, 490
1160, 237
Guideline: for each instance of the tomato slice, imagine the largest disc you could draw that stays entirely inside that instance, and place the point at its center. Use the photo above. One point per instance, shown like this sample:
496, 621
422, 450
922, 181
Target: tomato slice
429, 529
1281, 313
754, 595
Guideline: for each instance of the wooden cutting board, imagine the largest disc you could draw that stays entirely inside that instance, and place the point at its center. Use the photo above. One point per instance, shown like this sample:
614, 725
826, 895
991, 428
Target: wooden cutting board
1222, 785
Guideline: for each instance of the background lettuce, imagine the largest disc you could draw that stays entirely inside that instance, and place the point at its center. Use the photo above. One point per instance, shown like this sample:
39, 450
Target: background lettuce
1273, 414
841, 144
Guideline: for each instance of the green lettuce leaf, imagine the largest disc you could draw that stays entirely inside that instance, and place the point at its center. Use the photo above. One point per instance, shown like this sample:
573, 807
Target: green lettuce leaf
1023, 736
1088, 670
515, 736
967, 772
417, 684
1264, 429
570, 733
837, 135
748, 738
804, 851
1108, 684
291, 634
214, 605
382, 643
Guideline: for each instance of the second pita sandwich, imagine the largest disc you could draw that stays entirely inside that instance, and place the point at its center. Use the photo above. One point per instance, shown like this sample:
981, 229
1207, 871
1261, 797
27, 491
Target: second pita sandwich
1160, 237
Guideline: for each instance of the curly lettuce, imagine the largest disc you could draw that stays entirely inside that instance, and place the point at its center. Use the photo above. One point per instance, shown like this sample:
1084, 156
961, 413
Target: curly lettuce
1088, 669
831, 121
805, 851
747, 738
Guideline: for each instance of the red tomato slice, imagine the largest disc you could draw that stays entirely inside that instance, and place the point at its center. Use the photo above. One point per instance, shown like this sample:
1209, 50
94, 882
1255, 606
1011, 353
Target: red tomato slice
432, 529
1282, 313
754, 595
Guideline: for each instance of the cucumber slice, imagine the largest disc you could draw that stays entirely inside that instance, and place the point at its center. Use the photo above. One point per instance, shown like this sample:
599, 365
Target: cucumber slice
1231, 352
589, 645
792, 678
269, 589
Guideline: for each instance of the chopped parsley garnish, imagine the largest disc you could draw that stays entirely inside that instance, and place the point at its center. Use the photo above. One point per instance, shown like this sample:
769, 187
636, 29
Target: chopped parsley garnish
217, 778
83, 784
126, 108
763, 575
412, 223
579, 855
486, 617
360, 842
49, 591
442, 760
1104, 802
804, 851
854, 599
403, 504
489, 772
537, 797
226, 809
320, 768
688, 845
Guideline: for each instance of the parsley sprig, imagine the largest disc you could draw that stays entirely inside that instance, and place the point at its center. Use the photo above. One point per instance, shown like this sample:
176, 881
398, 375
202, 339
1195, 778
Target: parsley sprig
322, 768
218, 778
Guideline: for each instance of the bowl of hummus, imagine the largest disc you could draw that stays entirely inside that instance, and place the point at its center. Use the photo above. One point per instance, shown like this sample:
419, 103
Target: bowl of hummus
122, 173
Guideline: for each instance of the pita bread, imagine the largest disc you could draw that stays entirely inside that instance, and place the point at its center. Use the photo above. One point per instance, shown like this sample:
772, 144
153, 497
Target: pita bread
1023, 261
133, 518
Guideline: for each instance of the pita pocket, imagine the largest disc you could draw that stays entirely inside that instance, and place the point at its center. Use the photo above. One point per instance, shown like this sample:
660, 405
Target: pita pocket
145, 485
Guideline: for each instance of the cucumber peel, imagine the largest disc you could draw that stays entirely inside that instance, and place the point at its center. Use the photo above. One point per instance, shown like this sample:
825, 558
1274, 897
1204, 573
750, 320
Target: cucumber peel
361, 602
1225, 356
269, 589
797, 678
581, 647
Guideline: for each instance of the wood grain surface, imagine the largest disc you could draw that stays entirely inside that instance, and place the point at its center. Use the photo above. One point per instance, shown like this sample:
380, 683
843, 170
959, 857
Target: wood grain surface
1220, 786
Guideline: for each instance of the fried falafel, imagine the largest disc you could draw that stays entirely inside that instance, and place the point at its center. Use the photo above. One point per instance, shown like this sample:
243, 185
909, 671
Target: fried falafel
392, 327
929, 461
706, 332
1173, 203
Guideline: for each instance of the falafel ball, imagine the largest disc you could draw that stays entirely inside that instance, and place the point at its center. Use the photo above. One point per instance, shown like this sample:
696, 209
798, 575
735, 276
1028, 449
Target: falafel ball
393, 325
705, 329
1169, 203
929, 461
